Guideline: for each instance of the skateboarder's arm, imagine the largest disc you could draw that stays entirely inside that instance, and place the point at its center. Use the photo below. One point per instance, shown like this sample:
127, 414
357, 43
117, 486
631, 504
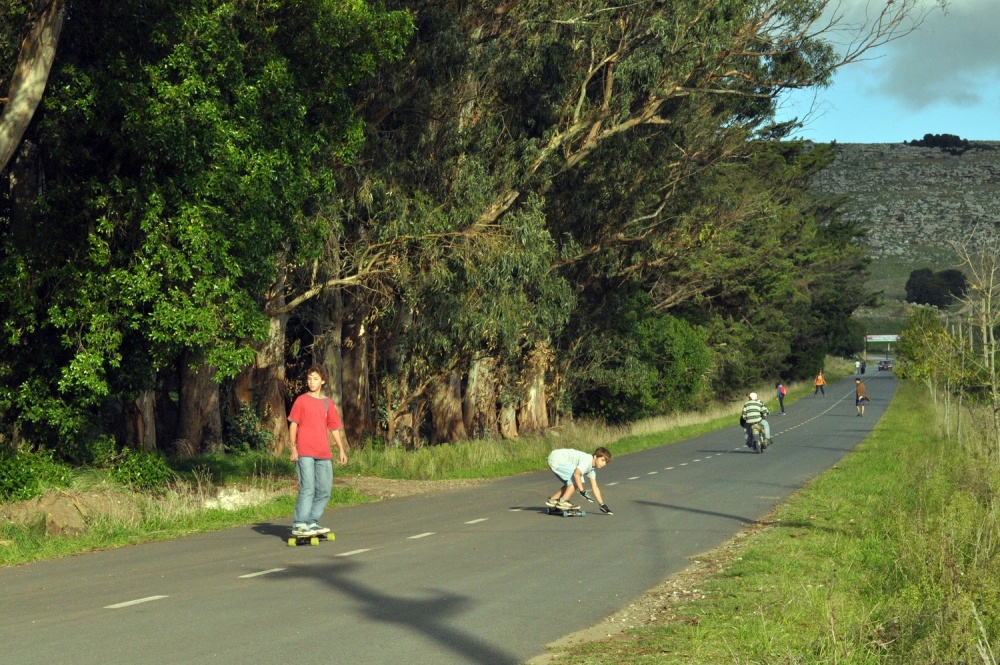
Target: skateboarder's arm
338, 438
293, 430
597, 490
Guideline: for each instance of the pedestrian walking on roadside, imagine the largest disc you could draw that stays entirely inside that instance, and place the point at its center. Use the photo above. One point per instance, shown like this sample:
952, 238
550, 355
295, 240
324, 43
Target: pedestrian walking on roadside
860, 397
857, 367
820, 382
780, 393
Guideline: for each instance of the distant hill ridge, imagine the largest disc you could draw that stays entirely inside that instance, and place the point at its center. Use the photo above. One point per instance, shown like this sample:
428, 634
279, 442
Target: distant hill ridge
907, 196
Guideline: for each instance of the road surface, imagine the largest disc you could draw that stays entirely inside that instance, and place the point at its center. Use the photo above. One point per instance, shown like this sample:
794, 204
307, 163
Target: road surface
477, 575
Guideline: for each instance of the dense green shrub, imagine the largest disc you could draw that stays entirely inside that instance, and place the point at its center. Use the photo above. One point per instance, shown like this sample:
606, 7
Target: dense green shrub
25, 475
926, 287
141, 470
654, 364
243, 432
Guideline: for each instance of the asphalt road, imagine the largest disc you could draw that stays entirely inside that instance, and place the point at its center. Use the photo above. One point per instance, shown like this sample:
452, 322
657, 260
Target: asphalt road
468, 576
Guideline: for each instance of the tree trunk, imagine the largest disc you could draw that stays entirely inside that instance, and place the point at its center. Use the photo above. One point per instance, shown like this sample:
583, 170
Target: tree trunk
446, 411
416, 420
357, 414
140, 422
31, 74
534, 417
479, 409
199, 425
508, 421
328, 331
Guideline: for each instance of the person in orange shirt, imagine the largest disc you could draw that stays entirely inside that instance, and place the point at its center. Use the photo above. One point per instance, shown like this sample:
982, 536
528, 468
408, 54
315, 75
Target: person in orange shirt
820, 382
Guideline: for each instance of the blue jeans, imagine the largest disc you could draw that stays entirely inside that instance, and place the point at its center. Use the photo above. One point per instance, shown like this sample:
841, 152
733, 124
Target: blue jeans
315, 482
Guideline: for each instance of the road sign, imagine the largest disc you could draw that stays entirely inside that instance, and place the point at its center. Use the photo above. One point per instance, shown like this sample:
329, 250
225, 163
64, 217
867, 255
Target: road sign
882, 338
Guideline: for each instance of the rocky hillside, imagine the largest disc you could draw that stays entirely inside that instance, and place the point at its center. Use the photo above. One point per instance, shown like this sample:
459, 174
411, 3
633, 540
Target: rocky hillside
914, 199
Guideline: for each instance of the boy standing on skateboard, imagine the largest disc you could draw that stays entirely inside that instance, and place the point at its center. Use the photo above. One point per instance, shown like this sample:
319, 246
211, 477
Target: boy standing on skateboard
311, 416
570, 466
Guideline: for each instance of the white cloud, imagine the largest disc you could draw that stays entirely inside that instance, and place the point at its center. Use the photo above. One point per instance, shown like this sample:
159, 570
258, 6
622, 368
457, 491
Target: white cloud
952, 59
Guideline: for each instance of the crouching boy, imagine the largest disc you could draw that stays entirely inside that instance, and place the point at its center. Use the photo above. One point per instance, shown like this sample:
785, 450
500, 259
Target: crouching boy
570, 466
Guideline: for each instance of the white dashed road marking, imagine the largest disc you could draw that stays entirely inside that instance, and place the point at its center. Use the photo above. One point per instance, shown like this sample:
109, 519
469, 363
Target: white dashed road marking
481, 519
421, 535
134, 602
263, 572
353, 552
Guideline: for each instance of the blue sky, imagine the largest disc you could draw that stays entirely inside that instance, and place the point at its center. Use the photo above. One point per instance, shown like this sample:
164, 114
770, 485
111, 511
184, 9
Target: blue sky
944, 78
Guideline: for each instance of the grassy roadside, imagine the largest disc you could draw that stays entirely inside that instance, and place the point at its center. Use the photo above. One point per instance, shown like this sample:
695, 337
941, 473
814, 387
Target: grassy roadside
891, 557
129, 519
126, 518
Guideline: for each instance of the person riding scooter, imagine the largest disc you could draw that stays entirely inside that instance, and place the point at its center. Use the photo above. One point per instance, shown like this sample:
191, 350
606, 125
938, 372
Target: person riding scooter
755, 412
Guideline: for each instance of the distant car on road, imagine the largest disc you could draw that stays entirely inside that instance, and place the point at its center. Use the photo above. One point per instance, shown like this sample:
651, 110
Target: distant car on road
884, 365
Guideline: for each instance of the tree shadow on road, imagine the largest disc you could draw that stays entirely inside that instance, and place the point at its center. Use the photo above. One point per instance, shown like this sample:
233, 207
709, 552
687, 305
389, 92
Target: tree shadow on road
686, 509
426, 616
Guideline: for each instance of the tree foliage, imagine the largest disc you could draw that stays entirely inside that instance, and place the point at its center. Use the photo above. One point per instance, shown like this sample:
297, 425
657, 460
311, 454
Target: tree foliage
186, 145
582, 204
940, 289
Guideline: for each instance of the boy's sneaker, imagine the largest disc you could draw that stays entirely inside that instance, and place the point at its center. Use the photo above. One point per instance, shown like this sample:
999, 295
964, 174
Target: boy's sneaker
552, 503
319, 530
303, 530
562, 504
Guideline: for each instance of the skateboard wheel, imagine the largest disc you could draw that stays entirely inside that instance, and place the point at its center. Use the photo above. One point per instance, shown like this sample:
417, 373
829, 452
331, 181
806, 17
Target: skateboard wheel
292, 542
314, 541
330, 536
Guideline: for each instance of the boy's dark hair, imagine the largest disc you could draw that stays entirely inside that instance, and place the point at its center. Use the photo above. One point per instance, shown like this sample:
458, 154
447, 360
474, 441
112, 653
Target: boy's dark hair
603, 452
317, 369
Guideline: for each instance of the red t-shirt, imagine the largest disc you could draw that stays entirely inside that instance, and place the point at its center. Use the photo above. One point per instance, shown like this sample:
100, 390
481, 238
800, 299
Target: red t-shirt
314, 416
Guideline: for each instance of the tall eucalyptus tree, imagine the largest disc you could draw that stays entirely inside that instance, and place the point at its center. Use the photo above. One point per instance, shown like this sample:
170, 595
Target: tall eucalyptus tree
185, 145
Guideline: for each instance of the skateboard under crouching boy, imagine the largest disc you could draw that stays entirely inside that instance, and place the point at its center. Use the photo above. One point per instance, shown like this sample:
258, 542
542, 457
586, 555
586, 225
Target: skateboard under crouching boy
576, 511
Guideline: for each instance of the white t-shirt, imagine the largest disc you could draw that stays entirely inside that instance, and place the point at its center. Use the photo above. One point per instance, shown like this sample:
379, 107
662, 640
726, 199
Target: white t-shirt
575, 458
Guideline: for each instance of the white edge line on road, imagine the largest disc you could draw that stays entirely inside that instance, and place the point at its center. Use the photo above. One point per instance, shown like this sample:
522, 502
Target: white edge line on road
134, 602
353, 552
421, 535
263, 572
481, 519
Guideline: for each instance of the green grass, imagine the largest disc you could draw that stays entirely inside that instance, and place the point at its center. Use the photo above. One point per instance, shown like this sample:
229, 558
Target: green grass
891, 557
129, 518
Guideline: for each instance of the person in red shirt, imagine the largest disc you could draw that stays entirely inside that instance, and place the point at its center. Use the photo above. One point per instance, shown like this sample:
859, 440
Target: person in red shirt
312, 415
